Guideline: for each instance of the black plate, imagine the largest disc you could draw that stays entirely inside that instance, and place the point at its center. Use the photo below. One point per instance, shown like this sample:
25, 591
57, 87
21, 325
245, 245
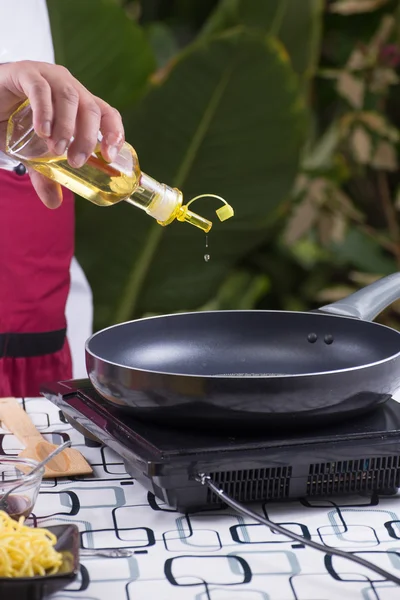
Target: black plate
36, 588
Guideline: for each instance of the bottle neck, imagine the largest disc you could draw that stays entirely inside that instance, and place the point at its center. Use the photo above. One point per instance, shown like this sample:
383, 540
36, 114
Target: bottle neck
157, 199
164, 204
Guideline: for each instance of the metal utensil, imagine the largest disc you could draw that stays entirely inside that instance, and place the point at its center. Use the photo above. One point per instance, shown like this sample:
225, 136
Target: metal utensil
108, 553
3, 499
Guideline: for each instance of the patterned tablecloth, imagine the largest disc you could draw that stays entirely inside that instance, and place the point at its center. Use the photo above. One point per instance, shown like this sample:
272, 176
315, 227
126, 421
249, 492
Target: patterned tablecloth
213, 555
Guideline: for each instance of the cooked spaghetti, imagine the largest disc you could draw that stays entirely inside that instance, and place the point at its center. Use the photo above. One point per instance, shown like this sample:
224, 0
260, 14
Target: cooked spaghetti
26, 551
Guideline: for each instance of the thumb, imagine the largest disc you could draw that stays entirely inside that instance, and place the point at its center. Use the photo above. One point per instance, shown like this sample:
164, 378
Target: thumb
48, 191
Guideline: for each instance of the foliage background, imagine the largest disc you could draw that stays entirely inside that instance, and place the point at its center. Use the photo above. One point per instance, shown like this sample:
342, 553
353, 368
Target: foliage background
288, 109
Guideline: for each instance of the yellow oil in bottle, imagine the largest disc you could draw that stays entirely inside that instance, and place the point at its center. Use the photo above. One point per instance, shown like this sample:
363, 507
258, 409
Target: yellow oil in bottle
97, 181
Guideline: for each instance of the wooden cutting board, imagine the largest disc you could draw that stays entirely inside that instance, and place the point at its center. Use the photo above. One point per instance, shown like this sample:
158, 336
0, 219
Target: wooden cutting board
68, 463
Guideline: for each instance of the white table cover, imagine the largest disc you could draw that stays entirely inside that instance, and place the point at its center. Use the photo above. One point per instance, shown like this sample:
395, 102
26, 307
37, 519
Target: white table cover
214, 555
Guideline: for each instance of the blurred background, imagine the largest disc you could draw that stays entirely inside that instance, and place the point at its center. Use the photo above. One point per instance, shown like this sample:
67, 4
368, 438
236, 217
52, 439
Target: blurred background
289, 109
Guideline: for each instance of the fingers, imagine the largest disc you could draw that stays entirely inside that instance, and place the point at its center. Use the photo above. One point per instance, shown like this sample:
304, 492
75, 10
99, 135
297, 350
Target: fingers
87, 127
48, 191
3, 135
54, 97
65, 102
74, 116
40, 97
81, 115
112, 130
25, 80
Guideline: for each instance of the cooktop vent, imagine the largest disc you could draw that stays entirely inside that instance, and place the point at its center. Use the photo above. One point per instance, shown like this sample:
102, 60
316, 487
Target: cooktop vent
361, 475
253, 484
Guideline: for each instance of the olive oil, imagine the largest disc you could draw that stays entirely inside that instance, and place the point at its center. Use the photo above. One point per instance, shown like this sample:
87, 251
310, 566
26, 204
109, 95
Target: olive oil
97, 181
206, 255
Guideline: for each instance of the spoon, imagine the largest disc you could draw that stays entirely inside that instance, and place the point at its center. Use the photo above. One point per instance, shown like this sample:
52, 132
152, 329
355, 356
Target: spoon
3, 499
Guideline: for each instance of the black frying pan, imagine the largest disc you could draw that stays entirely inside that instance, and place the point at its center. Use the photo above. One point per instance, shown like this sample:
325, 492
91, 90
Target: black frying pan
252, 368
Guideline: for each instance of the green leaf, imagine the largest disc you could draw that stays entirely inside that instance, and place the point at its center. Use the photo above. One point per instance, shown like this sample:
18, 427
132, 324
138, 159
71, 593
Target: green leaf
297, 23
227, 120
364, 253
351, 7
102, 47
163, 42
321, 156
308, 254
224, 16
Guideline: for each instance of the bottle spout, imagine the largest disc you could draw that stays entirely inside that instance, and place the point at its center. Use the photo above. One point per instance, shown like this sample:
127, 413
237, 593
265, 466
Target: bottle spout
187, 216
223, 213
184, 215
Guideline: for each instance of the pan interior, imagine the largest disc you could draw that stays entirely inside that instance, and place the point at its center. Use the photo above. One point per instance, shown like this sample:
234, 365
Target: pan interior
245, 343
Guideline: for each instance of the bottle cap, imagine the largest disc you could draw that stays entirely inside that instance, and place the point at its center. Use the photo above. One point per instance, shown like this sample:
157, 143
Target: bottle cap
224, 213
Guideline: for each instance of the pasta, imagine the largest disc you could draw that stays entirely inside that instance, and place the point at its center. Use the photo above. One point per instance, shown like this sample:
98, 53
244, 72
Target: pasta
26, 551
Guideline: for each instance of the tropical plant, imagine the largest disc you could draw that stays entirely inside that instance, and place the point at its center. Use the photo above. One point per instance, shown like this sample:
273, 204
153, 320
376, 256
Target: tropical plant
285, 108
226, 115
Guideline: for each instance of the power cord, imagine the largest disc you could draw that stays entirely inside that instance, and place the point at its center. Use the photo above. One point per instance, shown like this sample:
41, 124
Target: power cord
206, 480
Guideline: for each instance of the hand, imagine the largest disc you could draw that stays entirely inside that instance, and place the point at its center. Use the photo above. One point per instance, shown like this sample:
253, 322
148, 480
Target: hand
62, 108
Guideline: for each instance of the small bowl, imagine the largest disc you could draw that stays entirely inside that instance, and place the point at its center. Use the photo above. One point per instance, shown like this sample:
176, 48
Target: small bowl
14, 470
36, 588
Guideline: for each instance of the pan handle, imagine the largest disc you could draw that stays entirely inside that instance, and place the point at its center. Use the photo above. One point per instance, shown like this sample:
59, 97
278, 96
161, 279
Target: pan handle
368, 302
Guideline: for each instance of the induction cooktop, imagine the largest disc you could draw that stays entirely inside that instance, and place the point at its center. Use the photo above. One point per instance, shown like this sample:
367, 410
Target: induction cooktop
359, 456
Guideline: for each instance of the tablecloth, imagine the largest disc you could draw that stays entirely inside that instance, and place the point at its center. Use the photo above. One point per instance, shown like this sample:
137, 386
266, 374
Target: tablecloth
212, 555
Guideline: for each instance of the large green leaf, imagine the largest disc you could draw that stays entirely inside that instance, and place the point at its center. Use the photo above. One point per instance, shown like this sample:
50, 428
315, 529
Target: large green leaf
364, 253
227, 120
108, 52
162, 41
297, 23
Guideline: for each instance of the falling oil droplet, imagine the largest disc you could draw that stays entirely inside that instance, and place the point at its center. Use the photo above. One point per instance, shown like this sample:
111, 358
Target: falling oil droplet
206, 256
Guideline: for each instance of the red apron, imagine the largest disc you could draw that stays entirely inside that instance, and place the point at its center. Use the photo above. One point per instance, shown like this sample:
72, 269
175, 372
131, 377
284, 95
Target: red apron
36, 248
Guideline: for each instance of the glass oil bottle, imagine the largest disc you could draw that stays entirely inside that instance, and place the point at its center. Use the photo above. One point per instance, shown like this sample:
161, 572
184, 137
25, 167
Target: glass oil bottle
100, 182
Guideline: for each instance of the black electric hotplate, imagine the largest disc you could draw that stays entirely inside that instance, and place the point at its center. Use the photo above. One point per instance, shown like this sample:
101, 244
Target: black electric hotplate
361, 455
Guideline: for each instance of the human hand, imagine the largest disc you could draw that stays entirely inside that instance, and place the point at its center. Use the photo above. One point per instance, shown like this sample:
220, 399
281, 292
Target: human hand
62, 108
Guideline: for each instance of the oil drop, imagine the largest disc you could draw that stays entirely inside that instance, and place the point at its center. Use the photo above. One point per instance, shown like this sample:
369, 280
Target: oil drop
206, 254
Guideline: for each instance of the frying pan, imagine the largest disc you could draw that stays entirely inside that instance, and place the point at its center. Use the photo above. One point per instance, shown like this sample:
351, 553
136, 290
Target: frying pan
250, 368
